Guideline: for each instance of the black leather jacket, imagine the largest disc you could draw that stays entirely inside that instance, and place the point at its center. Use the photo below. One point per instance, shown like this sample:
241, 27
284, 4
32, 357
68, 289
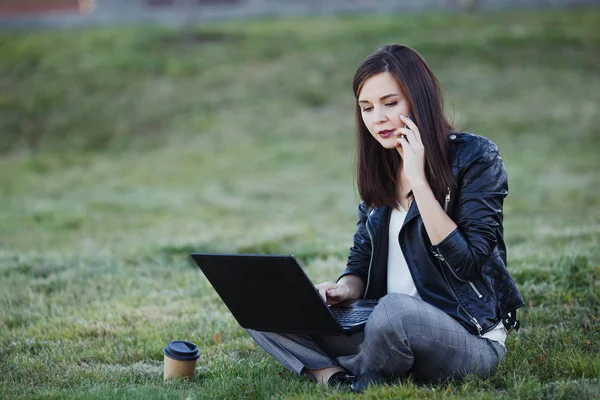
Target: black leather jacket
465, 274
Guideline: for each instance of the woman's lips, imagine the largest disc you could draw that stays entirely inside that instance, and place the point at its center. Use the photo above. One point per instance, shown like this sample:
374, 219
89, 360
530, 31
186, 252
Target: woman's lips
386, 134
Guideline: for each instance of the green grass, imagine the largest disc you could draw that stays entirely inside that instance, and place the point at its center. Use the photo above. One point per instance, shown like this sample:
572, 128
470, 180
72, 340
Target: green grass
123, 149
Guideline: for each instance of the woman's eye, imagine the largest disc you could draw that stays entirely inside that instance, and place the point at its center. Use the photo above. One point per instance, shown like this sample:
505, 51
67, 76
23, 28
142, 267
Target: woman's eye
391, 104
366, 109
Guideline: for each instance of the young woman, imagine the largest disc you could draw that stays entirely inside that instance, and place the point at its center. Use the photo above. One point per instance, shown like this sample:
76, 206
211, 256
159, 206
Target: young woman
428, 243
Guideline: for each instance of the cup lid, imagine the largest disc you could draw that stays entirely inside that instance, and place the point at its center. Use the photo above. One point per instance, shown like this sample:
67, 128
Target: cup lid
181, 350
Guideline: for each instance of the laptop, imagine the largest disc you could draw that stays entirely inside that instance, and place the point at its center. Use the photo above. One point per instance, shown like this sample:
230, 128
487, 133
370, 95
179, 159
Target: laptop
272, 293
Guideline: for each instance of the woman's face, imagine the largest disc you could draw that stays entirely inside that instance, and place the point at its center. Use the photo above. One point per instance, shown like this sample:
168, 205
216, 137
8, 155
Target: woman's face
381, 102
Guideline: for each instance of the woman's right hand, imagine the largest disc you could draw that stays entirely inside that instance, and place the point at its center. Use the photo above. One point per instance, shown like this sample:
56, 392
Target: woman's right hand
333, 293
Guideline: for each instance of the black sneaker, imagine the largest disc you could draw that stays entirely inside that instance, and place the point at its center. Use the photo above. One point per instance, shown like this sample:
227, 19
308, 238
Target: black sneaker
341, 378
365, 380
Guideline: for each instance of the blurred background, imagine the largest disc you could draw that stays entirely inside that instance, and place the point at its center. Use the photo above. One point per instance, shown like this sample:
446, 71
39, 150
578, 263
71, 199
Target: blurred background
135, 132
176, 12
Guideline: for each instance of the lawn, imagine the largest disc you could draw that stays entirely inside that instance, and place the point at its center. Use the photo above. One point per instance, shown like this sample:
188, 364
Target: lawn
124, 149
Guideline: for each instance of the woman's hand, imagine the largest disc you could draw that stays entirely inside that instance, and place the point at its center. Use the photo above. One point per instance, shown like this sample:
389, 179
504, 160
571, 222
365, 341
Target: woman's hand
411, 151
333, 293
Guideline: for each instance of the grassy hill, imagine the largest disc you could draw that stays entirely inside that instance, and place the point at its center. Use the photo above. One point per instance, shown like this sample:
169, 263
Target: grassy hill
124, 149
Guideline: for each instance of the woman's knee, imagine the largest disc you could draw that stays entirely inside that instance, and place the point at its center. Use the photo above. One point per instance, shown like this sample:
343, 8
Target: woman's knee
401, 308
394, 299
393, 316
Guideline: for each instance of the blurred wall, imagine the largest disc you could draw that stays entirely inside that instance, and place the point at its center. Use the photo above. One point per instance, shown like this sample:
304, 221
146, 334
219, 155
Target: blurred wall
109, 12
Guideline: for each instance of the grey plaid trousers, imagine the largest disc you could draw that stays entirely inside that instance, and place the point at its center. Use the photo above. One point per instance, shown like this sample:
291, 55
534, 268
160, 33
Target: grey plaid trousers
404, 334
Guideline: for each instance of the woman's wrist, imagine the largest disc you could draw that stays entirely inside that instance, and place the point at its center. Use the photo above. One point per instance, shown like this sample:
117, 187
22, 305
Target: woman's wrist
419, 184
355, 286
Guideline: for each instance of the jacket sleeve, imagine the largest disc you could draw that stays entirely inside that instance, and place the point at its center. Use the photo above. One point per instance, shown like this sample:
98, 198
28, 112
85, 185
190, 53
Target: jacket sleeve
477, 214
360, 252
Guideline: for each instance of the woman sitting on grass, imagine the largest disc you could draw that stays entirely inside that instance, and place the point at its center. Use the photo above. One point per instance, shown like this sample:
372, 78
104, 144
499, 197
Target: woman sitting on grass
428, 243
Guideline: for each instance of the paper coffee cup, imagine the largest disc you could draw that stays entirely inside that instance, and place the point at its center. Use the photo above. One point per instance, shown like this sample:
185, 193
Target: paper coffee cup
180, 359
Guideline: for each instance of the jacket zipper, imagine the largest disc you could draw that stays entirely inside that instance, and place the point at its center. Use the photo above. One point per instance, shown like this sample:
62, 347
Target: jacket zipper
479, 328
473, 319
371, 260
439, 256
477, 292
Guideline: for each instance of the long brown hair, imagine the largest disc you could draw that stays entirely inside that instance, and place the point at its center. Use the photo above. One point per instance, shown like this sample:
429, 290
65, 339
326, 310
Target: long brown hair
376, 166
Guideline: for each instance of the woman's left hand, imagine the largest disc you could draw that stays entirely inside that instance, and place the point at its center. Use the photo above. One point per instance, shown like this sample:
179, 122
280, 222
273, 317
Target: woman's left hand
412, 152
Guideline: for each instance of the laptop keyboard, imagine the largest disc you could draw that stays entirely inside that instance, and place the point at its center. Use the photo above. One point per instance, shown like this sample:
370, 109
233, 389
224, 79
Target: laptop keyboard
349, 316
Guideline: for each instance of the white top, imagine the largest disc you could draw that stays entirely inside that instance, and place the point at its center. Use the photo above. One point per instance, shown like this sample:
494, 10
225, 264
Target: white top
399, 279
